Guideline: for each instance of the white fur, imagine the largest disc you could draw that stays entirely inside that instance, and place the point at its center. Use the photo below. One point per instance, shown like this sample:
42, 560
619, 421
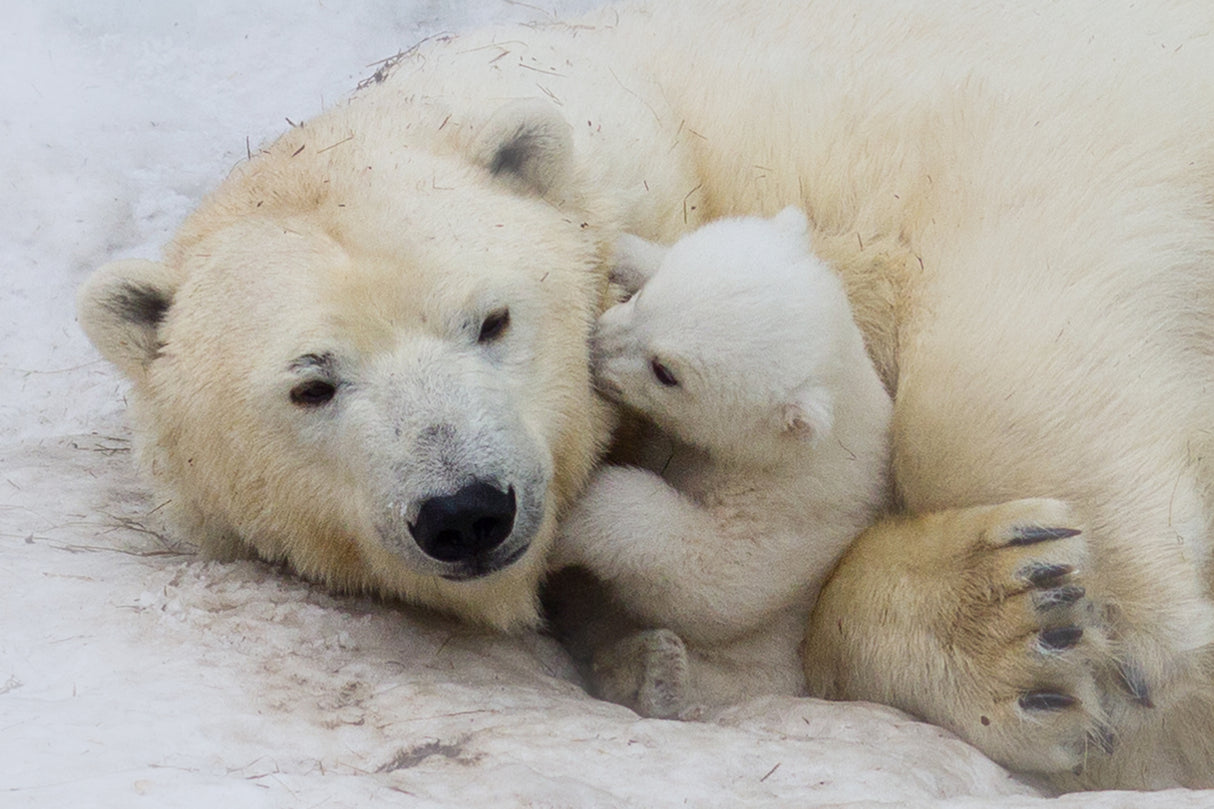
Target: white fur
774, 454
1018, 198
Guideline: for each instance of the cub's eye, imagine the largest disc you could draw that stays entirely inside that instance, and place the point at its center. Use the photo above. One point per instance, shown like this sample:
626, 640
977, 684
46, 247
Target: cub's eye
494, 326
313, 393
662, 373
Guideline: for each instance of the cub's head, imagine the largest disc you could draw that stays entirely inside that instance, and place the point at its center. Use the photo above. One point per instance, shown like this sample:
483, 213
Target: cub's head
371, 361
730, 342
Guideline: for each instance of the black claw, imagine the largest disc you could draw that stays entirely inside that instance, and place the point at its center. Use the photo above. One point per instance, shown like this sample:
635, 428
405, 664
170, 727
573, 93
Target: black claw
1104, 738
1059, 597
1135, 684
1064, 637
1032, 534
1046, 701
1047, 575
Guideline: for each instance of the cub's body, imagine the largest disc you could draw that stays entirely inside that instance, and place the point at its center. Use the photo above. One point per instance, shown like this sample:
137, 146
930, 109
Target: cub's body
772, 457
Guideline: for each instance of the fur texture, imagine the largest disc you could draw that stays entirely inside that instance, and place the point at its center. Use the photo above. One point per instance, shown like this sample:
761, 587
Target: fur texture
1019, 199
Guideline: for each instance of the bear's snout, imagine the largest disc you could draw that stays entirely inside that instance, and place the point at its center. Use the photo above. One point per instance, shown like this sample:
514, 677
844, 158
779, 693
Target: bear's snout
466, 526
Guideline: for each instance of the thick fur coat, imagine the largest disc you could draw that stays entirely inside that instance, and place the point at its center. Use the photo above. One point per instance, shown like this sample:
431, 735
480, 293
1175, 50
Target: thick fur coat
382, 319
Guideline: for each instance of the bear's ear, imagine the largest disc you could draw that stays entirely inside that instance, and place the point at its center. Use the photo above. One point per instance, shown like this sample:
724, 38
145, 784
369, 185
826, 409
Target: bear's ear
635, 261
793, 221
809, 414
121, 306
528, 145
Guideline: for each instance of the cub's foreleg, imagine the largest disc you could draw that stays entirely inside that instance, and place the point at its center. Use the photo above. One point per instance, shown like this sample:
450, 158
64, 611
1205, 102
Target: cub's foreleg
670, 559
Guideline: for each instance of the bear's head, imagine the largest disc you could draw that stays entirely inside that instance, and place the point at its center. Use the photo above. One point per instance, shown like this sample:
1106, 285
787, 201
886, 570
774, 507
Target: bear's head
731, 341
370, 359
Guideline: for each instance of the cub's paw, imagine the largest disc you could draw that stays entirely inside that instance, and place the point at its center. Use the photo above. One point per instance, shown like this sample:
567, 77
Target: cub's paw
647, 672
1024, 643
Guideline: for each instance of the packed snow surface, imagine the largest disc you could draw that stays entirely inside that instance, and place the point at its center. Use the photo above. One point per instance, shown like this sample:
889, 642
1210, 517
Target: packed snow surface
134, 674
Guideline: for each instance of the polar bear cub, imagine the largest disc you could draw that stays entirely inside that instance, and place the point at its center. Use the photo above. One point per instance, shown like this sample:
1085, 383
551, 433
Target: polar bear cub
768, 455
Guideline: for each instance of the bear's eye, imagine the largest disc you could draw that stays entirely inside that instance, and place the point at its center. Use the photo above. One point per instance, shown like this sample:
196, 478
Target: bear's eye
662, 373
494, 326
313, 393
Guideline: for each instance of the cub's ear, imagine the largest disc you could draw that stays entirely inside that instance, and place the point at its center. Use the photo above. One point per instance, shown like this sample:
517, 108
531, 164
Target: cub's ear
809, 414
635, 261
528, 145
121, 307
792, 220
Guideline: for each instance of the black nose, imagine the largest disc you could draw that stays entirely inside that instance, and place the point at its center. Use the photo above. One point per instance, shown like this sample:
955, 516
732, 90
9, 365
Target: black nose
463, 526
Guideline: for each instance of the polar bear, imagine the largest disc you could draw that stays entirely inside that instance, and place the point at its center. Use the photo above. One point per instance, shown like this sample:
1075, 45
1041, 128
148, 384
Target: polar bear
366, 352
742, 350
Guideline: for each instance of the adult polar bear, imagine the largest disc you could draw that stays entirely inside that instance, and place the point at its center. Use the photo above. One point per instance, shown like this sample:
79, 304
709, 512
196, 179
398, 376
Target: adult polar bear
365, 352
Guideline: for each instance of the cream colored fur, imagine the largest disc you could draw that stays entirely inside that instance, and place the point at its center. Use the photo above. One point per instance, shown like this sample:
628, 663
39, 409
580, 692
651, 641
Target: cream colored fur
1019, 199
772, 456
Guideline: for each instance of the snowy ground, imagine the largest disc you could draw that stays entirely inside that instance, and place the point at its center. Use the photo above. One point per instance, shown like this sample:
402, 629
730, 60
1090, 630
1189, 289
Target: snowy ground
131, 673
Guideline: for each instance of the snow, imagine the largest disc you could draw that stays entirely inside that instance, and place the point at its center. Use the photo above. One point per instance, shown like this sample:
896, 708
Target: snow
132, 673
